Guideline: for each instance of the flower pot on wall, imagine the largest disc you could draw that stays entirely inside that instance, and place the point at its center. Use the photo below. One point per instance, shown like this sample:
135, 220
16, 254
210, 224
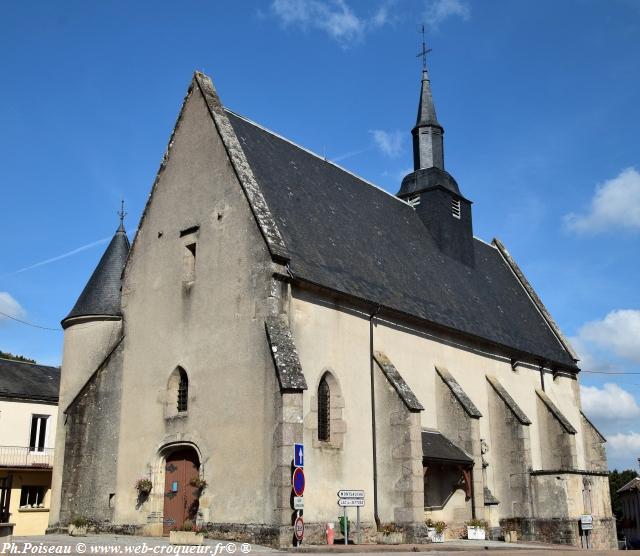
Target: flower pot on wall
476, 533
78, 530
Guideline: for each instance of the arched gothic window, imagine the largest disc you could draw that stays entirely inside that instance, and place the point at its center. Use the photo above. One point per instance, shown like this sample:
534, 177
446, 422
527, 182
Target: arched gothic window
183, 391
324, 411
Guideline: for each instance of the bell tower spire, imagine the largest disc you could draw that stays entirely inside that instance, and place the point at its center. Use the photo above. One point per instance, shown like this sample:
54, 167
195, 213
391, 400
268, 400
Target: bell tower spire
428, 144
430, 190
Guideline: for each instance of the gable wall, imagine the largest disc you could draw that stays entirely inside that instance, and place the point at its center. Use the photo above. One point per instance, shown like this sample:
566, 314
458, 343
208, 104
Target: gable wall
213, 328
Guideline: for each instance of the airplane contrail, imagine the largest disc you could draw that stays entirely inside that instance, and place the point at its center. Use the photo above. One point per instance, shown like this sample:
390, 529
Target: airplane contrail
59, 257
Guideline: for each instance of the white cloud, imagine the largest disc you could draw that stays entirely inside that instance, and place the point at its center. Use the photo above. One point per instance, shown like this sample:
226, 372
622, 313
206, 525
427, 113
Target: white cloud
588, 360
615, 204
334, 17
389, 142
624, 444
10, 307
618, 332
439, 10
608, 403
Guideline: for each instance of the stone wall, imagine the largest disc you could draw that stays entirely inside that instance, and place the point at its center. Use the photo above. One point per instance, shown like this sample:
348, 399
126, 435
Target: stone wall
510, 454
558, 447
594, 452
399, 455
91, 446
455, 422
563, 531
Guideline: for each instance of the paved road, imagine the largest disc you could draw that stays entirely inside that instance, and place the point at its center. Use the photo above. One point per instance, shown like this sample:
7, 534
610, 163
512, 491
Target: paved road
132, 545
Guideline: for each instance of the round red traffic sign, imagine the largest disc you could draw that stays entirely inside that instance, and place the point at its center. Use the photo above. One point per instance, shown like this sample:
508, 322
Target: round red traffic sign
298, 528
297, 481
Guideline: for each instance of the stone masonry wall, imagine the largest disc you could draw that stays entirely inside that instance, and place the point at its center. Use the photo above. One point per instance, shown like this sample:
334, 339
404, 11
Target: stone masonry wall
510, 453
89, 473
464, 431
558, 450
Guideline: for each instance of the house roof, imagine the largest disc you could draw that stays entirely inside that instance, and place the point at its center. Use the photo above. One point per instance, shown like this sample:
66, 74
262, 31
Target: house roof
633, 484
350, 236
101, 295
29, 381
437, 447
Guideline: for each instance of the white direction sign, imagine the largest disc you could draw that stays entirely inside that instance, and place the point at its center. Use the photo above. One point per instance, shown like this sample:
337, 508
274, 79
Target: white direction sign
298, 503
350, 502
351, 494
586, 522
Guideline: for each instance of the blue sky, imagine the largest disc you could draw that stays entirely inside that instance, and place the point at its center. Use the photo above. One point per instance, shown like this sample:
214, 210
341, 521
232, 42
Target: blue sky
539, 100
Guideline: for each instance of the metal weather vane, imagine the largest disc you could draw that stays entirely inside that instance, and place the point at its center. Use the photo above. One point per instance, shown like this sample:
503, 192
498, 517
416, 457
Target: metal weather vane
122, 213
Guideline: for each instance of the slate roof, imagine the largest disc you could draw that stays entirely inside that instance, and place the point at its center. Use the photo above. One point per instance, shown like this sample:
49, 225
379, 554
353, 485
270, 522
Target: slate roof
29, 381
285, 355
409, 399
345, 234
101, 295
437, 447
633, 484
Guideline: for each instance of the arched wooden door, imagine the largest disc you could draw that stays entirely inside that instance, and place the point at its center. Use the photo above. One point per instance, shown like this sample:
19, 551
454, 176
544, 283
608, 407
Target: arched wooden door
180, 497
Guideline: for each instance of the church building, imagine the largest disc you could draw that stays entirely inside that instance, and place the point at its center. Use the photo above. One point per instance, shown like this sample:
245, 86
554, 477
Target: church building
272, 298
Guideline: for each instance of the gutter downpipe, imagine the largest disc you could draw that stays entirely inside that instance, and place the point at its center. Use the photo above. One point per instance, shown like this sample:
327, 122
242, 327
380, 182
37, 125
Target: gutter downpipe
373, 419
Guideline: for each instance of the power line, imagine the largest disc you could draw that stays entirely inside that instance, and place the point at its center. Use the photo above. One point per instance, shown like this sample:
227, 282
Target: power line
30, 323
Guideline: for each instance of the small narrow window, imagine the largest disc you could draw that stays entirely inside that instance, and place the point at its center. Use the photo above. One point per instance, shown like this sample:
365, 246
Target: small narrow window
190, 262
324, 411
38, 436
414, 200
32, 497
183, 391
455, 208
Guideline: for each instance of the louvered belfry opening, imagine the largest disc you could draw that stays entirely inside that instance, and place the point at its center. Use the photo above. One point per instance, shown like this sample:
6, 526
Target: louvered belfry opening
324, 411
183, 391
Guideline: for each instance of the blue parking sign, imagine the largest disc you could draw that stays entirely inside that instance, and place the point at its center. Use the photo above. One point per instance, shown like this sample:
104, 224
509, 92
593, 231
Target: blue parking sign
298, 455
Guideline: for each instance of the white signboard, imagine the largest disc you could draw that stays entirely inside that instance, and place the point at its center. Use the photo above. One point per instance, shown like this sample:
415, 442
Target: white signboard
351, 494
350, 502
298, 503
586, 522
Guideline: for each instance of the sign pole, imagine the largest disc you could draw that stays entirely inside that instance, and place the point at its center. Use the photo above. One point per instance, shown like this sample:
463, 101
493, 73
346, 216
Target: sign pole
346, 525
357, 524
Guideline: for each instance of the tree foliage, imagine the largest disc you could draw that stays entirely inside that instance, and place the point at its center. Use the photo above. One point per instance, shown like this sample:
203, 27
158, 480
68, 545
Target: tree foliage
7, 355
617, 479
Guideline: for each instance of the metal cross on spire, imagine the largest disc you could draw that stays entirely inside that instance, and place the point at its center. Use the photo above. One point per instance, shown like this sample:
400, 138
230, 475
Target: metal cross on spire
424, 51
122, 213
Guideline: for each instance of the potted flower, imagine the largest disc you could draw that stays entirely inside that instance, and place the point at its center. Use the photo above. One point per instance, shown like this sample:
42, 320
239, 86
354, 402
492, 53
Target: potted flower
435, 530
389, 534
199, 483
144, 486
477, 529
78, 526
188, 534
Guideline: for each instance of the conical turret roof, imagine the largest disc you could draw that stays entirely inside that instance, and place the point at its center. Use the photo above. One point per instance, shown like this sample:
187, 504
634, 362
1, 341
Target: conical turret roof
101, 295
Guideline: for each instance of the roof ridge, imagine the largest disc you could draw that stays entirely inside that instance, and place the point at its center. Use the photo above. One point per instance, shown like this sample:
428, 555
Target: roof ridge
312, 153
485, 242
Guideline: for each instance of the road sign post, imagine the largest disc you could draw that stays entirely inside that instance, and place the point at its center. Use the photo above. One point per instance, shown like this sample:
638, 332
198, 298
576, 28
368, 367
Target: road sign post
298, 481
351, 499
345, 524
298, 528
298, 455
297, 486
